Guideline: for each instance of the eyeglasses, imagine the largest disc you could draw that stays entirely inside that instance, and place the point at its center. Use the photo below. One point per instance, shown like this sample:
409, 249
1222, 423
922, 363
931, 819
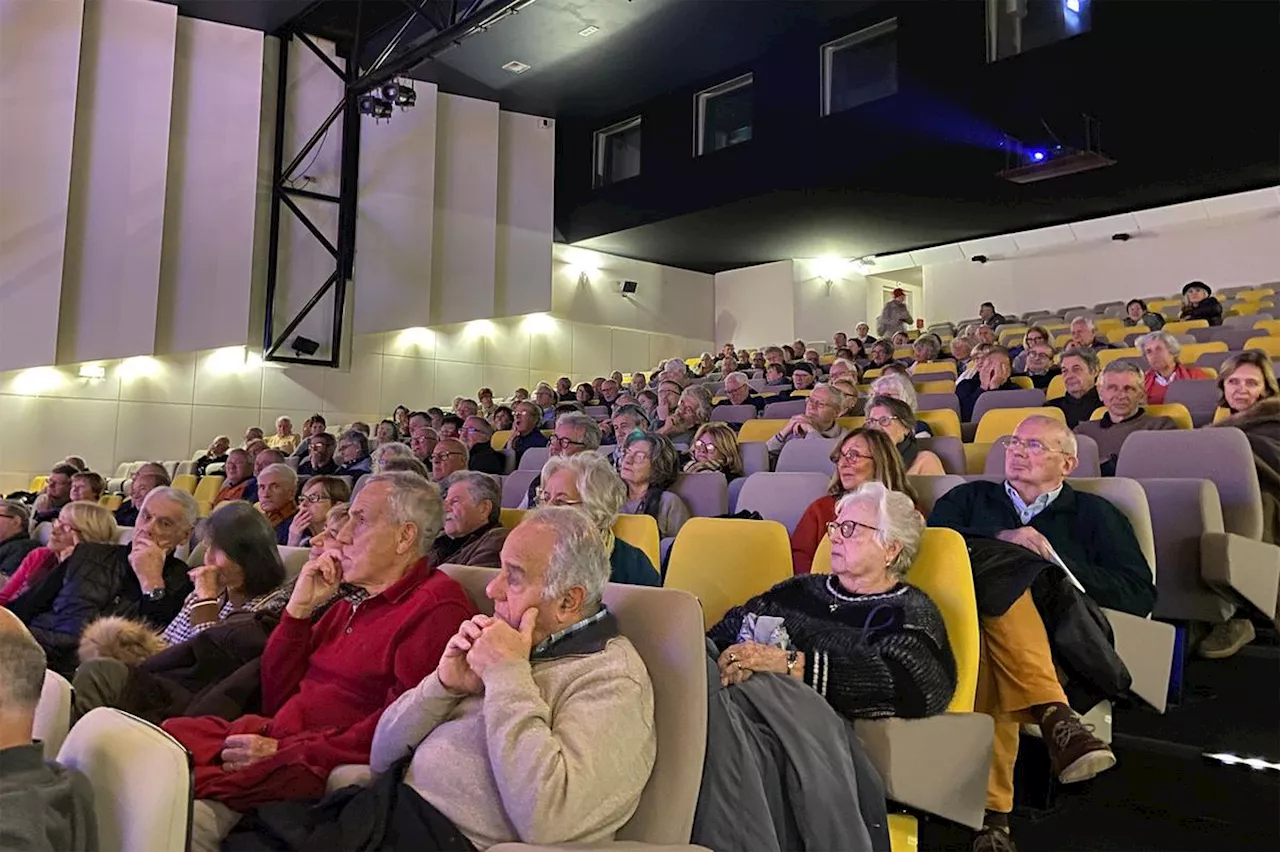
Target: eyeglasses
1032, 447
315, 498
557, 441
59, 523
636, 456
545, 499
882, 422
853, 456
705, 446
848, 529
439, 457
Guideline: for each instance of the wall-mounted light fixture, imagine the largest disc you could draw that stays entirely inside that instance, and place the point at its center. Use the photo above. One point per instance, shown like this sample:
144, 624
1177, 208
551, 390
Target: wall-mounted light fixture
93, 371
830, 268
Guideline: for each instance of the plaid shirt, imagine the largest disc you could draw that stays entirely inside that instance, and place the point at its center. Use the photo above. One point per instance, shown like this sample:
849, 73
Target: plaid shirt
546, 644
181, 629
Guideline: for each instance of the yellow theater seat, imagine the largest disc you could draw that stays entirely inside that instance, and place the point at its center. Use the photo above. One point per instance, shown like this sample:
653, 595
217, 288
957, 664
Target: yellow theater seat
944, 422
1175, 411
500, 439
511, 518
1003, 421
760, 430
1221, 414
1057, 388
801, 393
110, 502
826, 360
942, 572
873, 373
1271, 327
37, 483
903, 352
640, 531
1244, 309
1192, 351
1269, 345
1023, 382
185, 482
1256, 294
935, 367
206, 490
850, 423
942, 386
727, 561
1106, 356
975, 458
1158, 305
1183, 326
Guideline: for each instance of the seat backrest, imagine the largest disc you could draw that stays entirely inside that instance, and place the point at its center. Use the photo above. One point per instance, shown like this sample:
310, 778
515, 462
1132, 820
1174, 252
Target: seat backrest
948, 449
936, 386
811, 455
1088, 463
1127, 496
1057, 388
599, 412
293, 558
782, 497
733, 413
1003, 421
534, 458
938, 401
141, 777
1234, 338
53, 714
705, 493
510, 518
930, 488
784, 410
516, 486
640, 531
1198, 396
760, 430
1220, 455
185, 482
944, 422
500, 439
666, 628
207, 488
755, 457
942, 572
1269, 345
1182, 512
1021, 398
726, 561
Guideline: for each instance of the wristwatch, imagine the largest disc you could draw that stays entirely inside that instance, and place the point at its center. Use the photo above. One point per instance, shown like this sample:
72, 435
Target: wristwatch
793, 657
156, 594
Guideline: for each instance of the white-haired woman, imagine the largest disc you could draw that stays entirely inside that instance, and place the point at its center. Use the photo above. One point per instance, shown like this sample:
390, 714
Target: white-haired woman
900, 387
870, 643
389, 450
1163, 353
587, 481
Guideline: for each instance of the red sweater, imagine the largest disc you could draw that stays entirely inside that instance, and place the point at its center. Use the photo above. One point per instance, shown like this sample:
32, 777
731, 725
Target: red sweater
1156, 391
35, 566
809, 532
324, 686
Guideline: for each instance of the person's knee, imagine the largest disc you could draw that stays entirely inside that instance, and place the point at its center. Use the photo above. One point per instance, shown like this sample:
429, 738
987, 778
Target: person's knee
98, 683
211, 822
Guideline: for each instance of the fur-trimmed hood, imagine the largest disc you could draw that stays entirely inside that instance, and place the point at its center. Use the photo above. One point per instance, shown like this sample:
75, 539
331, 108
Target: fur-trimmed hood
120, 639
1264, 412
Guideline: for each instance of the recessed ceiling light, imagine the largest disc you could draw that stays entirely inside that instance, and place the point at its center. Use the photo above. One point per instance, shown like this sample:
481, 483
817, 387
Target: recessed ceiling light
589, 31
516, 67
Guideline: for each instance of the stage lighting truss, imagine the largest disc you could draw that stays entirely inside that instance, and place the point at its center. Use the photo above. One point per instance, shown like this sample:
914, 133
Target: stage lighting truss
381, 101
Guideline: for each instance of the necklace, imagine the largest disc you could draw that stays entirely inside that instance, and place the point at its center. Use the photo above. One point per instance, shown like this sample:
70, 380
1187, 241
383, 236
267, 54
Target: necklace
842, 598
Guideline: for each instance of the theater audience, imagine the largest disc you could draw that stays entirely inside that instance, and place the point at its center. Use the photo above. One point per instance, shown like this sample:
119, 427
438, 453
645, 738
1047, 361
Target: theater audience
1037, 510
353, 454
737, 391
451, 426
470, 408
284, 438
255, 447
528, 420
76, 522
545, 399
1080, 376
503, 418
576, 433
584, 394
1250, 392
1035, 335
385, 453
1085, 336
896, 419
149, 477
142, 580
564, 390
926, 348
486, 407
1136, 312
265, 459
319, 496
423, 444
900, 387
821, 409
315, 425
15, 537
895, 316
449, 457
386, 433
862, 334
1198, 302
961, 350
715, 448
320, 461
802, 379
775, 376
1120, 389
864, 455
649, 465
55, 494
993, 375
1163, 352
400, 416
277, 485
404, 463
1038, 365
326, 682
216, 454
253, 433
45, 806
239, 483
471, 533
477, 434
87, 486
882, 353
693, 410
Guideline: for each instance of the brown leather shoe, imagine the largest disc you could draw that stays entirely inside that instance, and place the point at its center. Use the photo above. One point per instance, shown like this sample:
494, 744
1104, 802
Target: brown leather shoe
992, 839
1076, 754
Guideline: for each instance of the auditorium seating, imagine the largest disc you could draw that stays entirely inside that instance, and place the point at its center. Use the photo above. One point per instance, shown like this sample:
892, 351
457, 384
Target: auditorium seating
1176, 412
533, 459
996, 422
782, 497
808, 454
726, 561
53, 714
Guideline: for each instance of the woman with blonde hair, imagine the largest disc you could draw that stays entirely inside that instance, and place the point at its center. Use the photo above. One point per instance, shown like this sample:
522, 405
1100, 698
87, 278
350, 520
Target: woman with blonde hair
76, 522
715, 448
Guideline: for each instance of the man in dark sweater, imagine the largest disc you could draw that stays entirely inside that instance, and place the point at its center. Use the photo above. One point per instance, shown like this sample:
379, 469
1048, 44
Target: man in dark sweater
1123, 394
477, 434
15, 540
43, 805
1080, 375
528, 417
1035, 509
737, 391
320, 452
993, 375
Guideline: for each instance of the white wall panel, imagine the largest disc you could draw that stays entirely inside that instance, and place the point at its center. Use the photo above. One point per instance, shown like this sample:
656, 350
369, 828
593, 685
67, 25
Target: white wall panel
463, 263
526, 196
206, 265
119, 162
753, 306
395, 216
38, 102
153, 430
148, 379
820, 310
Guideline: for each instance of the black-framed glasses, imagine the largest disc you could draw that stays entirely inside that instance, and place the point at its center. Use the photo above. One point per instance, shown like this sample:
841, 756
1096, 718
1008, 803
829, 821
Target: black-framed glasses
882, 422
853, 456
848, 529
557, 441
315, 498
439, 457
1032, 447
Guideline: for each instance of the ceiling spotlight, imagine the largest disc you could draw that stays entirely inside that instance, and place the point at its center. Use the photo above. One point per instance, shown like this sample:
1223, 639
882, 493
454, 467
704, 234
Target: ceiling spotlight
1038, 156
374, 105
516, 67
586, 32
304, 346
399, 93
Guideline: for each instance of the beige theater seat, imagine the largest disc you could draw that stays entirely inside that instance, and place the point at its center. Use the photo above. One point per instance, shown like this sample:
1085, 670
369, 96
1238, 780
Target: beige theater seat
1183, 513
142, 781
53, 714
665, 626
931, 488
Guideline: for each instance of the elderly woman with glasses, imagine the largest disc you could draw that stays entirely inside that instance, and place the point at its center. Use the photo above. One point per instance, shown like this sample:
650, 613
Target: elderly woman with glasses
1163, 352
871, 644
895, 418
319, 495
587, 481
76, 522
1035, 336
649, 465
900, 387
715, 449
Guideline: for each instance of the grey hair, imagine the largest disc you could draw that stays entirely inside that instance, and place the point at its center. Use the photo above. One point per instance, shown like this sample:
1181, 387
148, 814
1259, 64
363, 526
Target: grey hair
590, 428
282, 418
1171, 343
737, 375
843, 362
411, 465
932, 343
837, 395
602, 491
675, 364
484, 427
1088, 322
1085, 354
413, 500
22, 667
287, 473
898, 386
897, 520
532, 407
360, 439
1124, 367
190, 509
1066, 437
701, 398
389, 450
641, 416
18, 509
577, 556
482, 487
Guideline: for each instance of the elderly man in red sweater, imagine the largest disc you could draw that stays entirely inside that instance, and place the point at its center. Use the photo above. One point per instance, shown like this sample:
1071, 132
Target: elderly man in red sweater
325, 683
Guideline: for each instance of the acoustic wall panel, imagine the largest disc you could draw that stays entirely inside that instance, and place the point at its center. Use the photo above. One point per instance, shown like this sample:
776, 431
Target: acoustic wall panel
526, 209
206, 263
120, 153
466, 209
38, 102
395, 218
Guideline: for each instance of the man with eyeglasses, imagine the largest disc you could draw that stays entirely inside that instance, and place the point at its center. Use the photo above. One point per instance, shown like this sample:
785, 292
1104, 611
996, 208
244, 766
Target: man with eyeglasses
423, 444
1038, 363
449, 457
320, 461
15, 538
575, 433
993, 375
1036, 510
818, 421
481, 456
142, 580
353, 454
472, 533
738, 391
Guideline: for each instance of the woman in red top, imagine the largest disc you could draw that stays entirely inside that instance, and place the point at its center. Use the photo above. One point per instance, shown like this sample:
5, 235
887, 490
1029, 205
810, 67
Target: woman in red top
1163, 350
864, 455
77, 522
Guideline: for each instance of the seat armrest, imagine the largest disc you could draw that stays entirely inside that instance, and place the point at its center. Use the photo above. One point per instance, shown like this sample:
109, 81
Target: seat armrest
1146, 647
605, 846
358, 774
1242, 566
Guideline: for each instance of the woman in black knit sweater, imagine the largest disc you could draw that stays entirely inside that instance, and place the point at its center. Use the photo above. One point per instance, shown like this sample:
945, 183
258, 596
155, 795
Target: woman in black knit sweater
872, 645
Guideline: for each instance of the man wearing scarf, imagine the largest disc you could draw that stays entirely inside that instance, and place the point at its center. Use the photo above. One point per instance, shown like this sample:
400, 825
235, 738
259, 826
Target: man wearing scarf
472, 534
277, 485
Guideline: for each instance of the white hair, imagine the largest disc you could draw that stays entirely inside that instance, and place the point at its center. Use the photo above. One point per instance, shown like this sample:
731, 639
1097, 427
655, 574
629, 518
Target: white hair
286, 473
590, 428
897, 386
577, 555
481, 486
675, 365
283, 418
191, 509
601, 489
848, 365
1066, 438
737, 376
413, 500
897, 520
387, 451
1171, 343
1088, 322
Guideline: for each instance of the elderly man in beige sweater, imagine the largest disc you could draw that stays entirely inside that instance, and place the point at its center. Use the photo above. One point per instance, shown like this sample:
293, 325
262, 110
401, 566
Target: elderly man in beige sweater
538, 724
